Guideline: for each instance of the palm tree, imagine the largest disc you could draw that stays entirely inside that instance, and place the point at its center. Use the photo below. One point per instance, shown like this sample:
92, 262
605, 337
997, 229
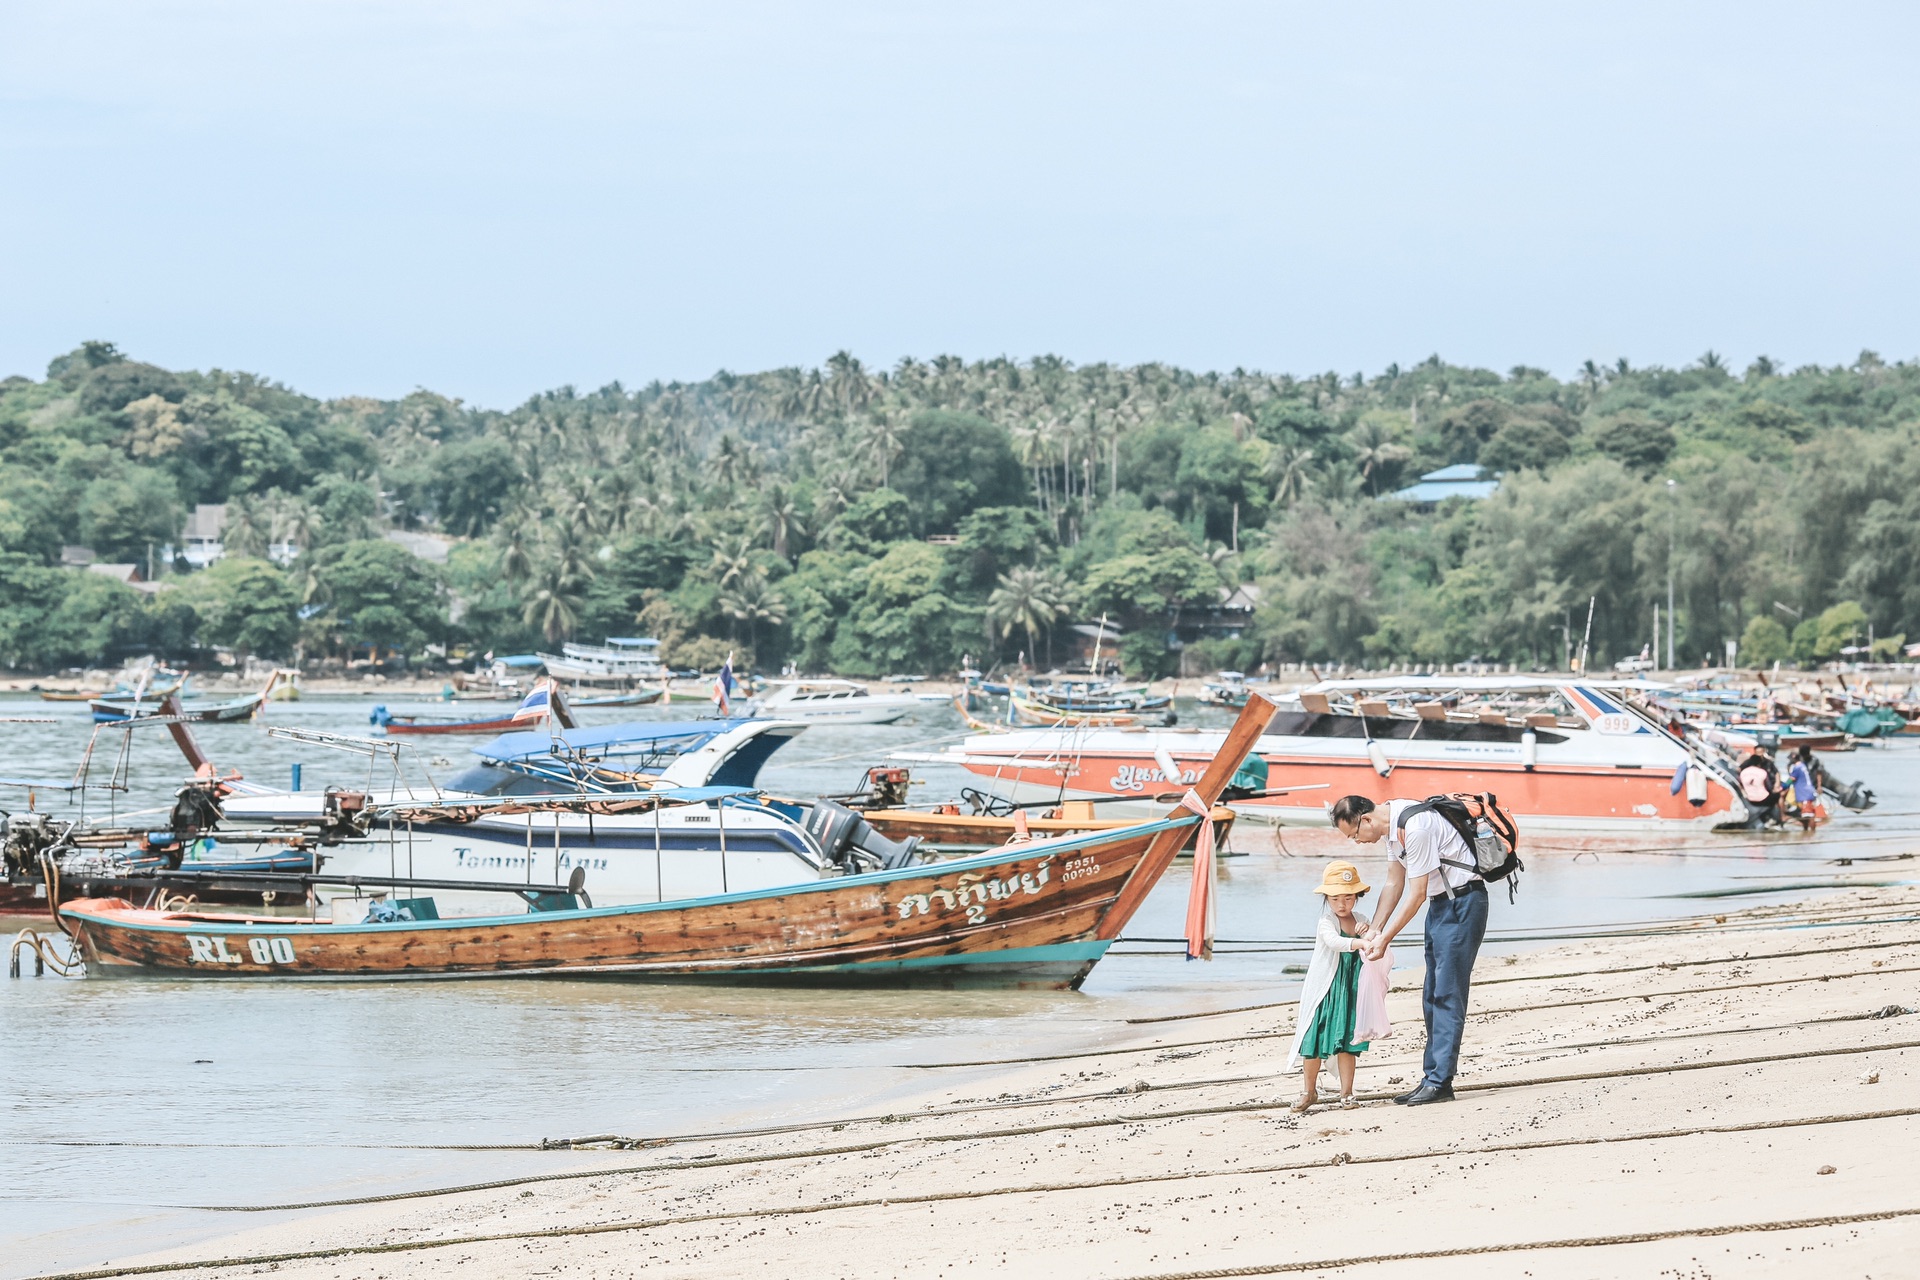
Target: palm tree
751, 601
1374, 450
514, 537
732, 562
1290, 471
881, 440
248, 527
1030, 598
782, 517
554, 605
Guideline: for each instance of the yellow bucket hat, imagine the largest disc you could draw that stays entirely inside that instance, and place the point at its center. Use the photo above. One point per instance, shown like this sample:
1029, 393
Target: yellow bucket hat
1341, 877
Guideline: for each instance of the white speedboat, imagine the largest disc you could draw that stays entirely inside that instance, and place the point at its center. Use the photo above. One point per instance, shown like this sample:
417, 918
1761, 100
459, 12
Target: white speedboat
828, 700
726, 842
1557, 752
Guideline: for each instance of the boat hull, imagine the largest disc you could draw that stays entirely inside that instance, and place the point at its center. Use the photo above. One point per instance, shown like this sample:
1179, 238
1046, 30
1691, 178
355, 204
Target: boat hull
1027, 916
1619, 785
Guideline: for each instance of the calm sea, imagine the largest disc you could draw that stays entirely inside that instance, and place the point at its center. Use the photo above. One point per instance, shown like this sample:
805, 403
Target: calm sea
120, 1102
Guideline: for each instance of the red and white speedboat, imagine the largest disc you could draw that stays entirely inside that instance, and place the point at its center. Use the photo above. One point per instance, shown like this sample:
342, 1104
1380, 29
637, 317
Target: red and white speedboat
1559, 753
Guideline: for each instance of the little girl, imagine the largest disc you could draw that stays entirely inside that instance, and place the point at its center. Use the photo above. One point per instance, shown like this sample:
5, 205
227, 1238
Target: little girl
1330, 999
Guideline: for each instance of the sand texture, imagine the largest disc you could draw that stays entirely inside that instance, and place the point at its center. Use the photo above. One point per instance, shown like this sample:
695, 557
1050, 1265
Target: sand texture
1729, 1096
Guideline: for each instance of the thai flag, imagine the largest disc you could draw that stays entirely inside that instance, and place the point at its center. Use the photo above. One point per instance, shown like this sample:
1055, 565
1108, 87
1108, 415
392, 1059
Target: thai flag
723, 687
536, 705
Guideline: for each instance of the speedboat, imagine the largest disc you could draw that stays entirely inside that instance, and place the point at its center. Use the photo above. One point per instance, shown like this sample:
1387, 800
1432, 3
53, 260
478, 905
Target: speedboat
829, 700
1559, 752
724, 843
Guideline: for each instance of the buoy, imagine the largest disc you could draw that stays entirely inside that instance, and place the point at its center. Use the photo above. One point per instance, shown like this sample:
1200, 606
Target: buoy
1379, 758
1696, 786
1529, 749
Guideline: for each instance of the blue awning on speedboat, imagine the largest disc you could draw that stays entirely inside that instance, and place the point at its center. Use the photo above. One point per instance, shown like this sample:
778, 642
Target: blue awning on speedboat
608, 739
520, 660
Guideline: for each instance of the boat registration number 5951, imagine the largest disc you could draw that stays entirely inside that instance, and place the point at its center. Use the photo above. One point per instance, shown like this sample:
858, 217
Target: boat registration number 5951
1078, 868
205, 950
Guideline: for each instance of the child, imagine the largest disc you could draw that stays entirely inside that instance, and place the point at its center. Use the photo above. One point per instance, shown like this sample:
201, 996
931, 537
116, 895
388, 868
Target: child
1330, 1000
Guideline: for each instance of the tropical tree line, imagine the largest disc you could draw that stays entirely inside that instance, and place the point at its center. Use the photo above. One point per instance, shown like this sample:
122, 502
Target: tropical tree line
872, 521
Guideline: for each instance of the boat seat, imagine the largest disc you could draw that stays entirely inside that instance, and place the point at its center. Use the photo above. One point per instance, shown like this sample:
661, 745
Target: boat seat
1493, 718
1375, 708
1431, 710
1316, 703
1540, 720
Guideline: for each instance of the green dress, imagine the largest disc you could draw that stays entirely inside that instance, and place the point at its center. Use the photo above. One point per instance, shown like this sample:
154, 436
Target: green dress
1333, 1021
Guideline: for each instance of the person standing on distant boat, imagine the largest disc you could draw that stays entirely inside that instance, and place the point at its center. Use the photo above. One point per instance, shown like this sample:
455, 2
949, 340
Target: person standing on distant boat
1432, 867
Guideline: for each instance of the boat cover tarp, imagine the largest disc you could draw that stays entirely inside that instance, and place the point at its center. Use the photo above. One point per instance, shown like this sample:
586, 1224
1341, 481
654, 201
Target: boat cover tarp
509, 747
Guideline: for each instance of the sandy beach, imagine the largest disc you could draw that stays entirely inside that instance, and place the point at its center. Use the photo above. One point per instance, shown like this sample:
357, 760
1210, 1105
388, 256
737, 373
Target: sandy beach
1735, 1094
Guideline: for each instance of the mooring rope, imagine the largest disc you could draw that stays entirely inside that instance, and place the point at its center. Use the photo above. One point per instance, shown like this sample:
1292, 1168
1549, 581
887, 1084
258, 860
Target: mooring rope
1341, 1159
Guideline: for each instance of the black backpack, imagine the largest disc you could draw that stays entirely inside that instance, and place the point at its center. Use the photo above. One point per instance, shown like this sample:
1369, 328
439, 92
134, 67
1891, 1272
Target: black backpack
1489, 831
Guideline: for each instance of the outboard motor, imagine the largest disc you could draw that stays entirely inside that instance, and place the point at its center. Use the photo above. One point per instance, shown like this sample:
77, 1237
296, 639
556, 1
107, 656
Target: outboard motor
850, 842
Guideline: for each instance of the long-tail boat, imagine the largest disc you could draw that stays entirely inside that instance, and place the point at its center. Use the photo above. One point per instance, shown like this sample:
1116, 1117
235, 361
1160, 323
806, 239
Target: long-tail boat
1036, 913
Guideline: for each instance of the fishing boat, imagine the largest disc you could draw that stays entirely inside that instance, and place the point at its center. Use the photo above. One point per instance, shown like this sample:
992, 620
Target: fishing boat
631, 698
830, 700
1558, 753
1026, 711
543, 700
1226, 689
111, 710
1038, 913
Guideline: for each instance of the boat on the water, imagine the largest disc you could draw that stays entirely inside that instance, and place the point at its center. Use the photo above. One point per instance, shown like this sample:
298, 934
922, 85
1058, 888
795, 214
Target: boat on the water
113, 710
1559, 752
1037, 913
1226, 689
830, 700
1029, 712
621, 660
631, 698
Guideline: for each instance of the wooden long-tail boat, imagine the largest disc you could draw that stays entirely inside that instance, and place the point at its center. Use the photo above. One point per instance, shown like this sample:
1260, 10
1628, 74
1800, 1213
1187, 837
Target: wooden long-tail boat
1039, 913
947, 827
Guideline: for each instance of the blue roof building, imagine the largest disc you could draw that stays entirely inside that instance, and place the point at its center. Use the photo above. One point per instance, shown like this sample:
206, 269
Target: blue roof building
1462, 480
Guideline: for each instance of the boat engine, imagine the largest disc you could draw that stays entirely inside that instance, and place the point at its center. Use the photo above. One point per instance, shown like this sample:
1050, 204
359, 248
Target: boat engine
850, 842
24, 837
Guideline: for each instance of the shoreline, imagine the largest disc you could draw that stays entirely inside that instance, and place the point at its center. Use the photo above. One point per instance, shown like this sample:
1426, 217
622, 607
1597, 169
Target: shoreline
1665, 1100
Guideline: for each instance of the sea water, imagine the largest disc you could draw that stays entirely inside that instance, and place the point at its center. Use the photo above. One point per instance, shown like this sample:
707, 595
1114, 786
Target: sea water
123, 1104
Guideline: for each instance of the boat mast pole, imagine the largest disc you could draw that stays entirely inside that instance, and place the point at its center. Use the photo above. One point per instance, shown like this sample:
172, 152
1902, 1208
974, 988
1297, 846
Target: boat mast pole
1241, 740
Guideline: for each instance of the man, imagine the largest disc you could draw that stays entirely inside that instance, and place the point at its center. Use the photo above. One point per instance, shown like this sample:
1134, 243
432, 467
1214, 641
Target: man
1421, 868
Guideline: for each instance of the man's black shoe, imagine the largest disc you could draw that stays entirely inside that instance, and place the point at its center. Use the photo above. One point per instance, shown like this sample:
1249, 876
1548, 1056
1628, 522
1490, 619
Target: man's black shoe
1428, 1093
1401, 1098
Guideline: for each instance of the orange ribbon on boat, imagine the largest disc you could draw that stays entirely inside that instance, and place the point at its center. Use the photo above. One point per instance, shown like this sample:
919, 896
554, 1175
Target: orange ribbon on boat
1200, 892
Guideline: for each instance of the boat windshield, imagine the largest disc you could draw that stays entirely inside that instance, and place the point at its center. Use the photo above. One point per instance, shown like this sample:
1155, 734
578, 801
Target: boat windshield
489, 780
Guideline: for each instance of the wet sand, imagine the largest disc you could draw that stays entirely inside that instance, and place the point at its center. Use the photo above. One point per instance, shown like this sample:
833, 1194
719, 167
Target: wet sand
1732, 1095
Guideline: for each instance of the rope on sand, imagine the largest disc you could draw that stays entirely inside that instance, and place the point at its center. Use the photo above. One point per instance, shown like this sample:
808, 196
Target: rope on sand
718, 1162
1526, 1246
606, 1228
1571, 973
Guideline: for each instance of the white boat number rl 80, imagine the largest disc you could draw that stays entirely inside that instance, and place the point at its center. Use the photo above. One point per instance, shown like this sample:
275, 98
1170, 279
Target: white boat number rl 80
204, 950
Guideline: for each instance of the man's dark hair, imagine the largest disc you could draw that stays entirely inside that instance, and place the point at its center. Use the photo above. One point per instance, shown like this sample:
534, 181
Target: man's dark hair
1350, 809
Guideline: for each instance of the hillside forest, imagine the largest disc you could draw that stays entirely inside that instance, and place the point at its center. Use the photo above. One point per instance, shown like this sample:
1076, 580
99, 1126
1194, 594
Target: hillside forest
872, 521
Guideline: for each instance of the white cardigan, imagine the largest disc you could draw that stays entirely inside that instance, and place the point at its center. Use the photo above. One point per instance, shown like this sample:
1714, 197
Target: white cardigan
1328, 946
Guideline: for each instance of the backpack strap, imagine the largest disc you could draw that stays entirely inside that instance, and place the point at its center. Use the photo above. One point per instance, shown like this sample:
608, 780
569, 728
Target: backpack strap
1429, 806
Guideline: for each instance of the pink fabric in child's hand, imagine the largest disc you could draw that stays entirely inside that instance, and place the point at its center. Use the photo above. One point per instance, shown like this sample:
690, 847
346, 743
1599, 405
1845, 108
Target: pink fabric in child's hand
1370, 1001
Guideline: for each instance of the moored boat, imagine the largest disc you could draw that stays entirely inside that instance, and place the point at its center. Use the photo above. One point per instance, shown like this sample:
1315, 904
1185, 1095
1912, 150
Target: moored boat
1037, 913
831, 700
1557, 753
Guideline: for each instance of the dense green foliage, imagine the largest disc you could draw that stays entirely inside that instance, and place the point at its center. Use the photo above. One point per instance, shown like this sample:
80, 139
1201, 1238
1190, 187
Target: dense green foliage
790, 513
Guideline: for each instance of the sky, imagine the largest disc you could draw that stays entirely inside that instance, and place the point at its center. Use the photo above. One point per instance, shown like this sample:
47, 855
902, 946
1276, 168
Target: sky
490, 199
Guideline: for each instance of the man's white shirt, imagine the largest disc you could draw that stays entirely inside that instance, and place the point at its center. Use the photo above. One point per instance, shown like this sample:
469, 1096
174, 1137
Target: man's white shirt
1429, 838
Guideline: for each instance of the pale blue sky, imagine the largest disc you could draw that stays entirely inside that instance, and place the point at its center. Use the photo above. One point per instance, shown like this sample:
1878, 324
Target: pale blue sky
493, 198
